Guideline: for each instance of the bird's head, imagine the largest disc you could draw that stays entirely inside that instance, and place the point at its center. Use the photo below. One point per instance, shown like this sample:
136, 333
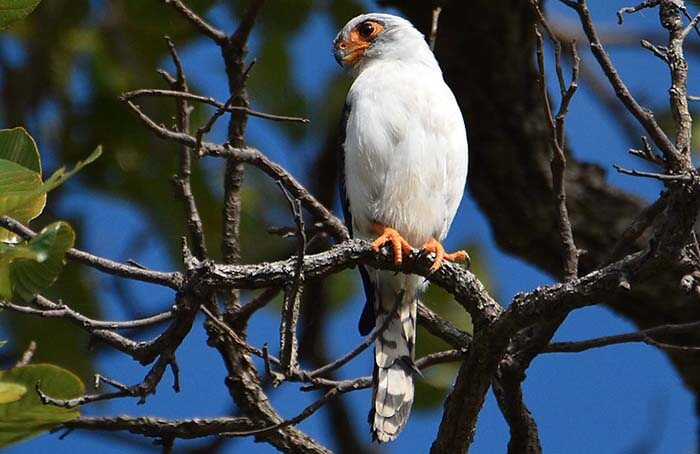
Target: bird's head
375, 36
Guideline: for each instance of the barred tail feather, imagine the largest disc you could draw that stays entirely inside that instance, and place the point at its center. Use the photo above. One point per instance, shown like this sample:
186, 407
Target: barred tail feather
393, 383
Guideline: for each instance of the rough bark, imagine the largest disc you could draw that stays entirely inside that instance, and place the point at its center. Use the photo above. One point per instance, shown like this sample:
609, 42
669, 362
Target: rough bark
486, 50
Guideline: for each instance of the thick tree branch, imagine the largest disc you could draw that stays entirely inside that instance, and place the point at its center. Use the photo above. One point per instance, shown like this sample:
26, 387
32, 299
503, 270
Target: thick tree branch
159, 427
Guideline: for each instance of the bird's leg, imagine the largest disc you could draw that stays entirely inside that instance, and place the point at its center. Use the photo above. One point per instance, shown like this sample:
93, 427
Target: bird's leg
435, 247
389, 235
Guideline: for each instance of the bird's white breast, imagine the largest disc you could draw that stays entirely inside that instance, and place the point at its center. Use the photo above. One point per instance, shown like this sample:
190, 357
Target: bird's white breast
405, 151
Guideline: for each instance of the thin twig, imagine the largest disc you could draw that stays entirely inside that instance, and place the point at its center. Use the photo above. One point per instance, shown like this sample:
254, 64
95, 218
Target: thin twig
209, 124
647, 153
212, 102
643, 221
558, 162
656, 176
257, 303
360, 348
63, 311
292, 297
655, 50
27, 355
204, 27
634, 9
237, 339
692, 25
255, 157
346, 386
118, 385
434, 27
183, 179
172, 280
644, 116
647, 336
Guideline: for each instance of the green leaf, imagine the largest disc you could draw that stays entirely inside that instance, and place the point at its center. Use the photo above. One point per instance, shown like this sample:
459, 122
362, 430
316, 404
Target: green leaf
14, 10
55, 180
16, 182
61, 175
22, 194
31, 267
18, 146
28, 417
20, 175
11, 392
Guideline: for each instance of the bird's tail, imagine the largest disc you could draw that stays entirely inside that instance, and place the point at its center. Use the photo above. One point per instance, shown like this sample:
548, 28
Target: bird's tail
393, 381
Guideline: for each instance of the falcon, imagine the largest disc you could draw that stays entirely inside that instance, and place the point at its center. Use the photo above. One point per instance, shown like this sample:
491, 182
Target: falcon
403, 149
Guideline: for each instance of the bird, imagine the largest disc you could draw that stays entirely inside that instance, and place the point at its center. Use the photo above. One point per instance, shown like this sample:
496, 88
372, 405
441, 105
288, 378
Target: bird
403, 158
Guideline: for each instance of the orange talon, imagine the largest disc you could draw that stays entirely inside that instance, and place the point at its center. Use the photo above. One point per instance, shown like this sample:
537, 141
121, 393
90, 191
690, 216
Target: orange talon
433, 246
388, 235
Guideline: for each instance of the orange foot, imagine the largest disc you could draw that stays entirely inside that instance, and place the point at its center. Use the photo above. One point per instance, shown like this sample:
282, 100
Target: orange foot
389, 235
435, 247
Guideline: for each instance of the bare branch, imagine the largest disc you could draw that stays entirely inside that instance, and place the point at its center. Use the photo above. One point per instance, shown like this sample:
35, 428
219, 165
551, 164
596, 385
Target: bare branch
692, 25
210, 101
647, 154
360, 348
434, 27
254, 157
644, 116
292, 296
441, 328
346, 386
671, 20
204, 27
240, 36
159, 427
647, 336
182, 180
633, 9
556, 129
244, 313
62, 311
637, 228
654, 50
172, 280
657, 176
28, 353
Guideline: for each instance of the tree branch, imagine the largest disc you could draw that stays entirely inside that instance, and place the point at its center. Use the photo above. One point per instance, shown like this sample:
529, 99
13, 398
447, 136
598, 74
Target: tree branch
172, 280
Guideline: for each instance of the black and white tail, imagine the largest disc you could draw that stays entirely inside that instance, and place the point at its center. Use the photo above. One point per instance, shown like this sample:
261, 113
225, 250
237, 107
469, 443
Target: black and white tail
393, 381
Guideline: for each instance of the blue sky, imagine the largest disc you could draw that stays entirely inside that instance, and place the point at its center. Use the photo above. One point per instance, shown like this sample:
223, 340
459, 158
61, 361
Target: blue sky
605, 400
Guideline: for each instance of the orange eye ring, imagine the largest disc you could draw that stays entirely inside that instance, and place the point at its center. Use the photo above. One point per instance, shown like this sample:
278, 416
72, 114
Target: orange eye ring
365, 29
368, 30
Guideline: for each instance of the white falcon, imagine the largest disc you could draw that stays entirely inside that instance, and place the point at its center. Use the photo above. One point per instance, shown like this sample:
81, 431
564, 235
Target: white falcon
403, 172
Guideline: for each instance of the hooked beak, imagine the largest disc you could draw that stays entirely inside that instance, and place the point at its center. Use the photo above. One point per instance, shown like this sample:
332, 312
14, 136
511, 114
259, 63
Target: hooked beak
347, 53
339, 53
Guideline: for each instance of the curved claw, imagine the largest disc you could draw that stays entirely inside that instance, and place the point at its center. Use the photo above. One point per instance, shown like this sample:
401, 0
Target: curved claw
390, 236
433, 246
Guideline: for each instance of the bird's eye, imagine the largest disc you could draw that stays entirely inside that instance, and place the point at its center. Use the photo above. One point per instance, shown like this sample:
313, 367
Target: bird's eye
365, 29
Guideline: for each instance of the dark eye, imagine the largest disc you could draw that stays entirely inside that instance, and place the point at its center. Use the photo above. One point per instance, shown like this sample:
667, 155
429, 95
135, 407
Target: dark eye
365, 29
